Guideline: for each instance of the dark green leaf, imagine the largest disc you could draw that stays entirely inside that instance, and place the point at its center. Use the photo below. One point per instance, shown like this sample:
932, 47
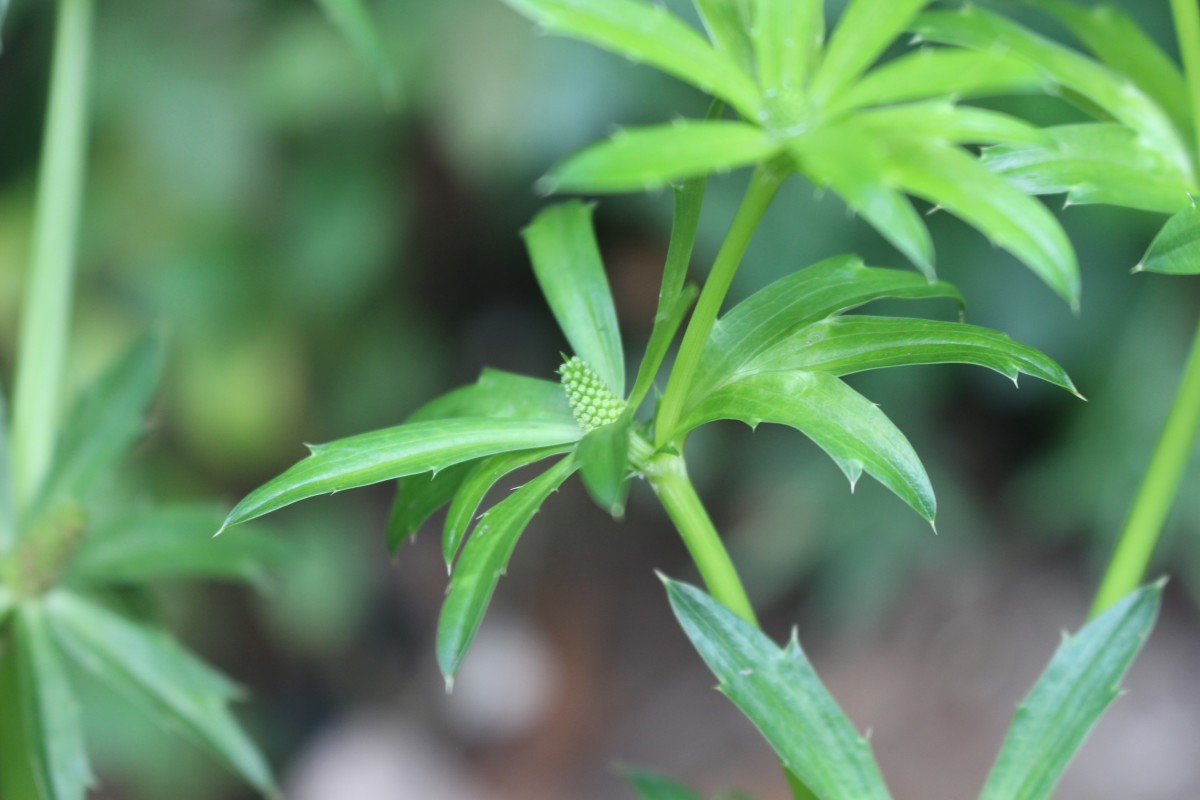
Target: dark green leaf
49, 710
647, 33
844, 345
484, 559
652, 786
779, 692
566, 260
500, 394
603, 457
6, 605
1093, 162
787, 38
178, 690
848, 427
1176, 248
354, 20
650, 158
1078, 685
173, 542
865, 30
418, 497
396, 452
484, 474
728, 23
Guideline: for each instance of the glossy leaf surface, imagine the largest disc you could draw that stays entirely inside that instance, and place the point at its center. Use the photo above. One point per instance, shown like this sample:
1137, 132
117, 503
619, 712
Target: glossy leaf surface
501, 395
1176, 248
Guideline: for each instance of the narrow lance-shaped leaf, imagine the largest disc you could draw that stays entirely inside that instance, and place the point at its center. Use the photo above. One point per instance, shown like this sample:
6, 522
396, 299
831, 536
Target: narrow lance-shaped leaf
1176, 248
418, 497
666, 324
864, 31
848, 427
652, 157
647, 33
652, 786
787, 37
355, 22
176, 688
8, 512
500, 394
1080, 682
780, 693
728, 23
395, 452
603, 456
566, 260
49, 711
950, 123
484, 560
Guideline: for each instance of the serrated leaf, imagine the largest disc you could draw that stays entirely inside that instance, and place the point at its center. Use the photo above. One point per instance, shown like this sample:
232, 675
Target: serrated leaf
647, 33
178, 690
484, 559
849, 344
652, 157
172, 542
105, 422
418, 497
49, 711
770, 315
787, 38
566, 260
8, 509
848, 427
780, 693
728, 23
603, 457
1176, 248
938, 72
652, 786
483, 475
1011, 219
396, 452
356, 24
500, 395
864, 31
1078, 685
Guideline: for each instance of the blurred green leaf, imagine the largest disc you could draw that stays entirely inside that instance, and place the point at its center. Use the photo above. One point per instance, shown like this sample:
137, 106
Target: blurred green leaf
49, 710
354, 20
1094, 162
1078, 685
566, 260
501, 395
6, 604
173, 542
652, 786
849, 344
396, 452
483, 475
1176, 248
779, 692
864, 31
647, 33
787, 37
151, 669
8, 513
418, 497
603, 457
17, 778
649, 158
847, 426
942, 120
484, 559
728, 25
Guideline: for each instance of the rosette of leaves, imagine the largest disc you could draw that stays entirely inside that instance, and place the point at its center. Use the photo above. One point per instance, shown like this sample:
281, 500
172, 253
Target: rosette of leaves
69, 562
779, 357
873, 136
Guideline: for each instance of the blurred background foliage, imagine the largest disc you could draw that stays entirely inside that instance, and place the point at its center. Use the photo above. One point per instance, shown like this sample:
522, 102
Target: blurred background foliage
323, 263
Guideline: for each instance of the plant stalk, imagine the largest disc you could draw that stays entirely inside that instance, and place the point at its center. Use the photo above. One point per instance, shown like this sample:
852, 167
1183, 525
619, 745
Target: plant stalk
46, 308
763, 184
1160, 484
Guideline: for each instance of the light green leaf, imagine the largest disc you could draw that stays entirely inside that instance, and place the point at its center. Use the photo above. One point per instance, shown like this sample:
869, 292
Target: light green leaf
603, 457
395, 452
849, 344
8, 512
848, 427
1078, 685
418, 497
173, 542
355, 23
1093, 162
772, 314
647, 33
483, 475
787, 38
939, 72
49, 710
652, 786
178, 690
1176, 248
6, 604
1118, 41
780, 693
566, 260
728, 23
500, 395
649, 158
950, 123
864, 31
952, 179
483, 561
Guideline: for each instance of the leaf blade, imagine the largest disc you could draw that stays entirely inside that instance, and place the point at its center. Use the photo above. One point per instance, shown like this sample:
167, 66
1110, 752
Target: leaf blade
864, 31
1175, 250
787, 39
603, 456
418, 497
727, 22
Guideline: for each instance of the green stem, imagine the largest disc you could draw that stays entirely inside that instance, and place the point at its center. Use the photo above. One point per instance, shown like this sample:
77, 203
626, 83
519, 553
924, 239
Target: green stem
667, 473
763, 185
47, 303
1157, 492
1187, 29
